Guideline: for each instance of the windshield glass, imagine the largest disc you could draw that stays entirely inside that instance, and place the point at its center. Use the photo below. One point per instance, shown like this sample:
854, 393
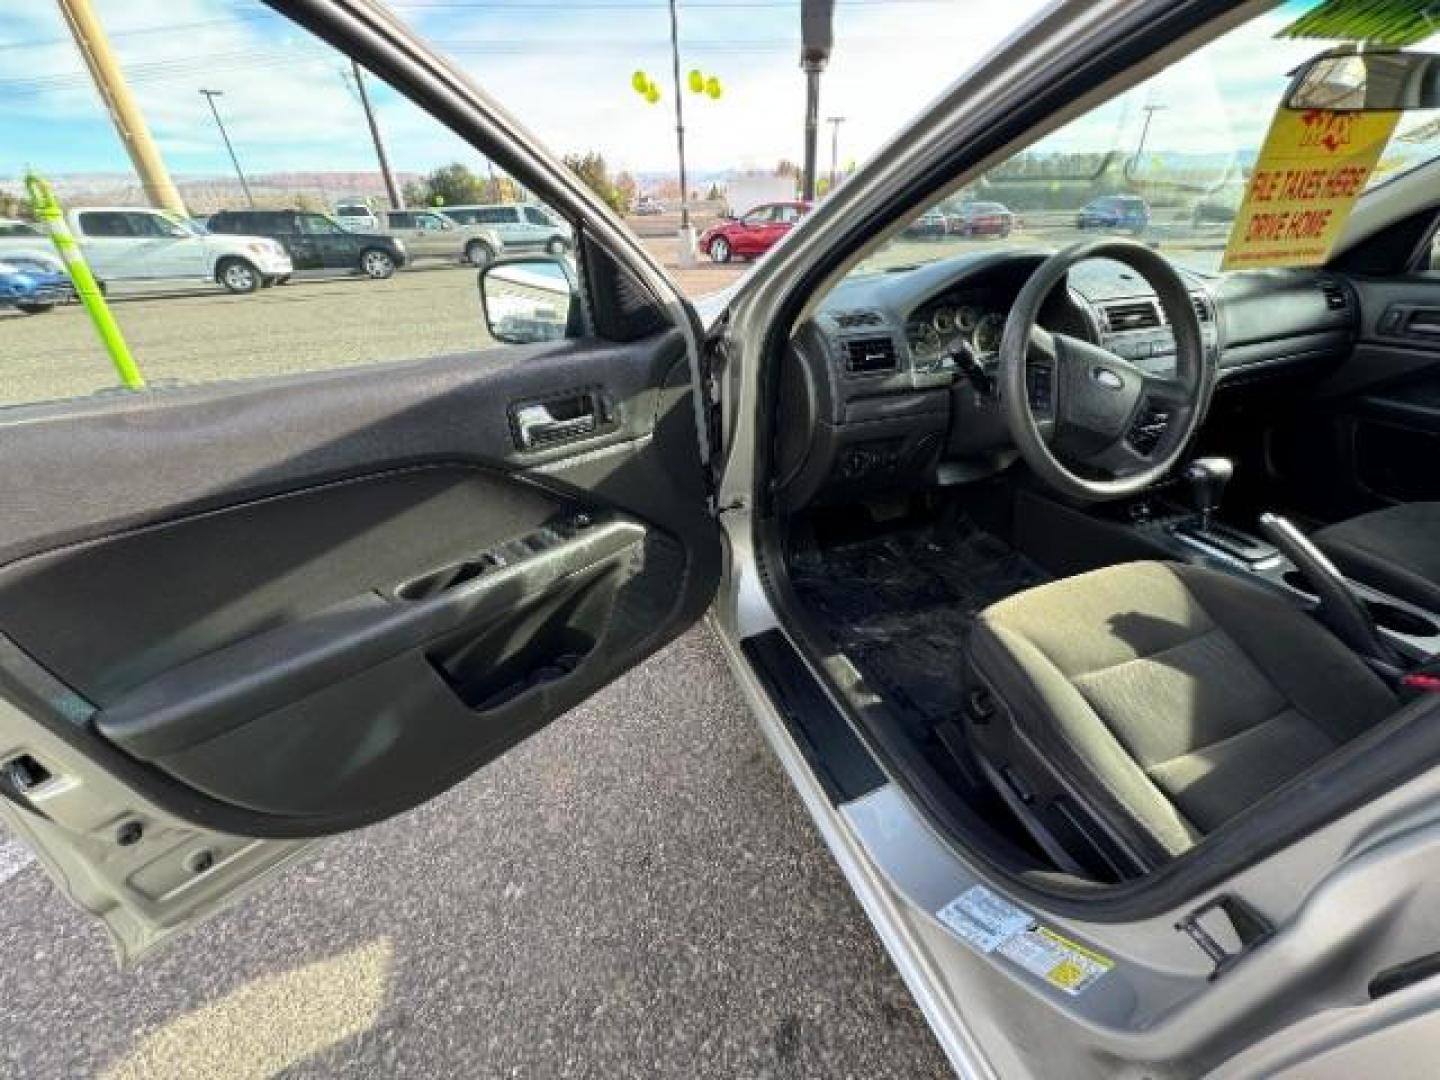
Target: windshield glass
1166, 162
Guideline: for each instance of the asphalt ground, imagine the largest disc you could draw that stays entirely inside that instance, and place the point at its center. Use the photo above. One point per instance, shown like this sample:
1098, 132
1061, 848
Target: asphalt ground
634, 892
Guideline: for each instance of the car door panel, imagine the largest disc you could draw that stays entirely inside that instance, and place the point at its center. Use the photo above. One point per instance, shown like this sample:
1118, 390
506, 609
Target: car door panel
1368, 435
352, 589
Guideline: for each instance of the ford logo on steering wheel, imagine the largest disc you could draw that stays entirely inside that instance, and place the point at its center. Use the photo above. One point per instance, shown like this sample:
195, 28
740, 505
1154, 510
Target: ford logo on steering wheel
1107, 378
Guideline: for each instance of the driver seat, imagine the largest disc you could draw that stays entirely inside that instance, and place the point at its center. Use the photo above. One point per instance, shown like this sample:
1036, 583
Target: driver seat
1139, 707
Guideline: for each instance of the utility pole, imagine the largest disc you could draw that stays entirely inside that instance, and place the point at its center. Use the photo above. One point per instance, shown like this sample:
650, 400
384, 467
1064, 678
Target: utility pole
834, 122
1150, 111
816, 39
687, 234
210, 96
392, 189
124, 113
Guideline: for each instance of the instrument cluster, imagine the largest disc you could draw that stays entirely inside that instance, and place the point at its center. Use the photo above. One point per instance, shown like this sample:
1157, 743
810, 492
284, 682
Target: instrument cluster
936, 330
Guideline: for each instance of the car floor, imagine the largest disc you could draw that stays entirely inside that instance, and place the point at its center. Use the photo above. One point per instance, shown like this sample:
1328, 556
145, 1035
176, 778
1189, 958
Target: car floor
899, 601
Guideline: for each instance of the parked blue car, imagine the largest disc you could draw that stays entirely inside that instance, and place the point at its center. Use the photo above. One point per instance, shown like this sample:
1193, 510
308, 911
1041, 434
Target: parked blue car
32, 282
1120, 213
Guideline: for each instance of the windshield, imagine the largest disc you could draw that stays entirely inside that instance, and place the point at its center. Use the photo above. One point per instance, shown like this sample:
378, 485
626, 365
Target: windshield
1166, 162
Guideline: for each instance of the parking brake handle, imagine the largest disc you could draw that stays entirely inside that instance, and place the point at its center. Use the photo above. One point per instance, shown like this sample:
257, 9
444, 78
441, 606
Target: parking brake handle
1340, 609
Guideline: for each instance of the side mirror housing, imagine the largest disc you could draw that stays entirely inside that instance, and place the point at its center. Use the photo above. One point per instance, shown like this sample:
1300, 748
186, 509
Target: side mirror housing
530, 298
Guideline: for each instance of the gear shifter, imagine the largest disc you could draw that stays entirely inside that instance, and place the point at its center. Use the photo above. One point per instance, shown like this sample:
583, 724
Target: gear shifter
1207, 477
1340, 609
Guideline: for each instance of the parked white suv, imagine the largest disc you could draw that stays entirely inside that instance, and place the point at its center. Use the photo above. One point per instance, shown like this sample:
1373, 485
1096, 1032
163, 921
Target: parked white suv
434, 235
356, 216
520, 226
127, 243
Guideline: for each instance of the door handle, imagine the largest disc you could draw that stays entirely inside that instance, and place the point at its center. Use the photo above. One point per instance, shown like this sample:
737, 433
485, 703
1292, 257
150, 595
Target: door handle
549, 421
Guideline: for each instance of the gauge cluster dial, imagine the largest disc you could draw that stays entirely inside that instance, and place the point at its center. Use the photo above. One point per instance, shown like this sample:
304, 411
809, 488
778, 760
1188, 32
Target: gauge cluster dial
949, 324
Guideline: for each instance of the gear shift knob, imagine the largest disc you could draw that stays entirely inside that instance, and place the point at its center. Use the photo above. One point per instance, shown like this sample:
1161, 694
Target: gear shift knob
1207, 477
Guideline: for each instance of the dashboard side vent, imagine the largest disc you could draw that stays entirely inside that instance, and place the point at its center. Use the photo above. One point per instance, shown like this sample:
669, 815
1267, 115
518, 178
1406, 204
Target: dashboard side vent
1202, 308
869, 355
1132, 315
1334, 292
851, 320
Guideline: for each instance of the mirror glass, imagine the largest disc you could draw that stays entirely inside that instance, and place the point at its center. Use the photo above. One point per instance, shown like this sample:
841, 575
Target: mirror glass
1368, 82
527, 300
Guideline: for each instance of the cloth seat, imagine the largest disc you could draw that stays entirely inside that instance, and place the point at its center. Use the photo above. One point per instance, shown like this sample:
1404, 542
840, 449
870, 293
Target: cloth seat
1164, 698
1396, 550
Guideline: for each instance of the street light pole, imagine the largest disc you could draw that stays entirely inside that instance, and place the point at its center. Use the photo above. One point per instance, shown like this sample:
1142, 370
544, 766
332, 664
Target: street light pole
687, 235
210, 96
817, 36
834, 122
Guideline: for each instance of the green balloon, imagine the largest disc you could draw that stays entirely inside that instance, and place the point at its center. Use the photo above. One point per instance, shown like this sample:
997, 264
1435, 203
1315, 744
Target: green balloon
652, 95
697, 81
640, 81
712, 87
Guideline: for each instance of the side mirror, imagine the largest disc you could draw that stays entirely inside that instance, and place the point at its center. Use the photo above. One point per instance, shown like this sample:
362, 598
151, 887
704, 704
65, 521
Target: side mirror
528, 299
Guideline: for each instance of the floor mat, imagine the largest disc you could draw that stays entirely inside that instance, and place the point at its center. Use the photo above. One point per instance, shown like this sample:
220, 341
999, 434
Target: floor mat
901, 605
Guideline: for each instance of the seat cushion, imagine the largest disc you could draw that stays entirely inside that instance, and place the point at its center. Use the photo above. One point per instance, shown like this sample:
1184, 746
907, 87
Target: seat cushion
1396, 551
1170, 698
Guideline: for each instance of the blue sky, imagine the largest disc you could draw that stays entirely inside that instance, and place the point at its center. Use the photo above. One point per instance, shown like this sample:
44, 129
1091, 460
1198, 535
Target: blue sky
563, 68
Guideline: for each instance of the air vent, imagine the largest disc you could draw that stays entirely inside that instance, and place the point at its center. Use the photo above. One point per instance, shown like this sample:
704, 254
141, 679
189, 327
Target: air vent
867, 356
1334, 292
1132, 315
850, 320
1202, 309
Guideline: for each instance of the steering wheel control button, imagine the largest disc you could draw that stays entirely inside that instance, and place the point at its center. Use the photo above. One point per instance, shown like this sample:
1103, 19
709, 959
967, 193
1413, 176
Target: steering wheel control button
1040, 384
1147, 430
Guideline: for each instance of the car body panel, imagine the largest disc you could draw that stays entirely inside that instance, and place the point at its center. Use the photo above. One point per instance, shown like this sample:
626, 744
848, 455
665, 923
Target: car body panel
33, 280
357, 217
519, 226
756, 231
140, 244
432, 234
1123, 213
313, 241
983, 219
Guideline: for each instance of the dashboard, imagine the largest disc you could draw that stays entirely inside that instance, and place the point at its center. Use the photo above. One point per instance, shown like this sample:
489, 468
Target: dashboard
891, 383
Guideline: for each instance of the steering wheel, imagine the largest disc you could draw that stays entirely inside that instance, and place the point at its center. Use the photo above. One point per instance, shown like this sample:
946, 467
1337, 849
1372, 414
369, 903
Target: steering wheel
1117, 428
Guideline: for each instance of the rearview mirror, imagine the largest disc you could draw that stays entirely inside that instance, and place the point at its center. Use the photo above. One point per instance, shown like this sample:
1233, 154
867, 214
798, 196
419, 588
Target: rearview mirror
1367, 82
529, 299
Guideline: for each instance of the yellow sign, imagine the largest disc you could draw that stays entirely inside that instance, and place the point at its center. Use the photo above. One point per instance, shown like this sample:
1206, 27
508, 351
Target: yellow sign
1312, 168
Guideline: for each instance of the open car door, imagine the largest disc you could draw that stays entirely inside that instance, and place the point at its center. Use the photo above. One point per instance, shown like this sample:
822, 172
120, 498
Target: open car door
238, 617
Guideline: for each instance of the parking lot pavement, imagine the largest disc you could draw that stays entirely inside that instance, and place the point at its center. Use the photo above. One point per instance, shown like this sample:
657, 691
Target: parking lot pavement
636, 891
202, 334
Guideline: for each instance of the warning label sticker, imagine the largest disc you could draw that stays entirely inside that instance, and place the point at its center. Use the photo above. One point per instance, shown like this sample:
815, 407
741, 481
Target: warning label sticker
1057, 960
991, 924
1312, 168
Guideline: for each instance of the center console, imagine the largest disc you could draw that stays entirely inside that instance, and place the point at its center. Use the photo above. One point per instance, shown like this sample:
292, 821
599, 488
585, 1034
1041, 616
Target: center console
1389, 632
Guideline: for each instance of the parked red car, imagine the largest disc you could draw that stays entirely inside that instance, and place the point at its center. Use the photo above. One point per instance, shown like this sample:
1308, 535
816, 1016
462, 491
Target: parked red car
983, 219
755, 233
